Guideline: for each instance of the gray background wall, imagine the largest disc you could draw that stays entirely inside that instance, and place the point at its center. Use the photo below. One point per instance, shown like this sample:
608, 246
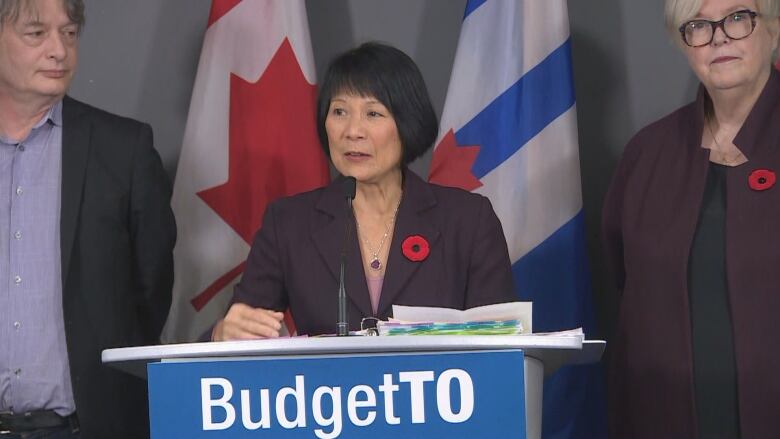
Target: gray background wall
139, 59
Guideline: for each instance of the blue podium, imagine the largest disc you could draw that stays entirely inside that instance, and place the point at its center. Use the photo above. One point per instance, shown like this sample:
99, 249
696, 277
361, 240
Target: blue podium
330, 387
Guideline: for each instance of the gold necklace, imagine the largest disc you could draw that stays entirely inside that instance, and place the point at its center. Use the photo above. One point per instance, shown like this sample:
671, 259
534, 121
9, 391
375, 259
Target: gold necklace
720, 155
376, 263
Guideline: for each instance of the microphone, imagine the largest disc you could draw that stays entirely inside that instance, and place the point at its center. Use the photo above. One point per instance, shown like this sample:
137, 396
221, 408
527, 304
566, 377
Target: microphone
349, 187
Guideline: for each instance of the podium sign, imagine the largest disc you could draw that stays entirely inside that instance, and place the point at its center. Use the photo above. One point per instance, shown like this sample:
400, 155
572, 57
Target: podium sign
454, 395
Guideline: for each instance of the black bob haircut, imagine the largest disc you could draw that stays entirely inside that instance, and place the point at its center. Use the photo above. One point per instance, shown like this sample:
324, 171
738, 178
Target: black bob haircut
391, 77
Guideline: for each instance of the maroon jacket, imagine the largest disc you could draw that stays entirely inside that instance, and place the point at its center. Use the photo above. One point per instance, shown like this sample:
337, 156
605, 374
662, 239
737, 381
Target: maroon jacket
650, 215
295, 257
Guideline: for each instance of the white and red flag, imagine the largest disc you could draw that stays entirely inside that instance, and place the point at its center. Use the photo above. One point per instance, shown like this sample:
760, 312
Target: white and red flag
251, 137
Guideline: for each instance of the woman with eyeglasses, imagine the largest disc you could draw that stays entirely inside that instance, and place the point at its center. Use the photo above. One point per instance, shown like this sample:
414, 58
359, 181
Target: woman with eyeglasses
691, 226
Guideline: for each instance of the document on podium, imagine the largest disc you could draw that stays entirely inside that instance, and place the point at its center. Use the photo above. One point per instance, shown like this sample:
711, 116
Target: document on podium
509, 318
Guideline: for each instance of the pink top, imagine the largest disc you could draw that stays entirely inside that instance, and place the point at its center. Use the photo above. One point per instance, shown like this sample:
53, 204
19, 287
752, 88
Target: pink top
374, 290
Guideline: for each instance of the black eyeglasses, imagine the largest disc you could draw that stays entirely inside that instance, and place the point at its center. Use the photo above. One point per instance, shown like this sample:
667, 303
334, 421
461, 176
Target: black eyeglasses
737, 25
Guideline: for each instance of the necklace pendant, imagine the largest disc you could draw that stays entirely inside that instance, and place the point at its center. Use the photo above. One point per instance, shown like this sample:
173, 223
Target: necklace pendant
375, 264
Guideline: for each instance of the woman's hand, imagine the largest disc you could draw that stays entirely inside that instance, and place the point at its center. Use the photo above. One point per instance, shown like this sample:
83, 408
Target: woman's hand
242, 322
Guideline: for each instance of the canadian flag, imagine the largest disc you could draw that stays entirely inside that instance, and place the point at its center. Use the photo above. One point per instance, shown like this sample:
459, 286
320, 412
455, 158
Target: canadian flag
251, 137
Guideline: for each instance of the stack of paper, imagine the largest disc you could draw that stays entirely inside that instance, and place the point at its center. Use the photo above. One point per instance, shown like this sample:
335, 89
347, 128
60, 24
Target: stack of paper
499, 319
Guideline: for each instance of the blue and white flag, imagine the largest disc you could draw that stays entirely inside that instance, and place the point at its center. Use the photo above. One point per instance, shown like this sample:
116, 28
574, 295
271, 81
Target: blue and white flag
509, 132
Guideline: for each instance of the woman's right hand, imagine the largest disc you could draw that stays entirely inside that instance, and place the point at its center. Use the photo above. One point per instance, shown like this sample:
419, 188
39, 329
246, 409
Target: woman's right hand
242, 322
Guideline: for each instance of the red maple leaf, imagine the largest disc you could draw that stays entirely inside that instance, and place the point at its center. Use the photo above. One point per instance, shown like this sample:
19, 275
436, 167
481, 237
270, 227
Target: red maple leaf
220, 8
451, 164
273, 151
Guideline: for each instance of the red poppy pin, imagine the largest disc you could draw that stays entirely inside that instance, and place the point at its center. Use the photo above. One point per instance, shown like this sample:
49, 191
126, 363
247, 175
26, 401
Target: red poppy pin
762, 179
415, 248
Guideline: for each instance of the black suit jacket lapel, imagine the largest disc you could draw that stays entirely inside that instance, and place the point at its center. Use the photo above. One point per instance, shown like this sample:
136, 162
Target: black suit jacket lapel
418, 198
75, 151
327, 232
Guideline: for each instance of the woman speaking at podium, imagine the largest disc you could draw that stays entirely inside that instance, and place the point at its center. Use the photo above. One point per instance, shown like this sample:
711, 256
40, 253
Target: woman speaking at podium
411, 242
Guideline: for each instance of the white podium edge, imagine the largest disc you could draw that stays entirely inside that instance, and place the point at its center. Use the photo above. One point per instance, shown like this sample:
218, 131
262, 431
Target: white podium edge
553, 351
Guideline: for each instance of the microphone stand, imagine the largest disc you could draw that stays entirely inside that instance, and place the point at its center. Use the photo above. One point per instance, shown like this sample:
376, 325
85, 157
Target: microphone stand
349, 193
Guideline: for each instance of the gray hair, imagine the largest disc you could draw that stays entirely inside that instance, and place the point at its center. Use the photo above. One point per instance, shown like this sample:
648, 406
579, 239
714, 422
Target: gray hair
11, 9
676, 12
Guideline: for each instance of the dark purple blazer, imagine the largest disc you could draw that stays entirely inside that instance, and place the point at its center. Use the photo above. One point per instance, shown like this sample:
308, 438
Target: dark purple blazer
295, 256
650, 215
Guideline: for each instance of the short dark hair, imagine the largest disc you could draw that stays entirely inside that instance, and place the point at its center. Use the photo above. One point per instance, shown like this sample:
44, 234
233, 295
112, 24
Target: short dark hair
389, 75
10, 10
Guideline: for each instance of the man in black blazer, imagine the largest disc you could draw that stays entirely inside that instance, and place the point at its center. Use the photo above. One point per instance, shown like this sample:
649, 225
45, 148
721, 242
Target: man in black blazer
86, 238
